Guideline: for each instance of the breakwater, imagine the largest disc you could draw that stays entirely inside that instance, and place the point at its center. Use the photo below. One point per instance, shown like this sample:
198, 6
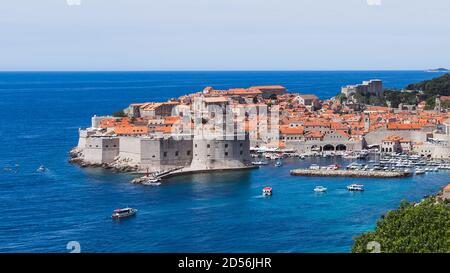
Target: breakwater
179, 171
350, 173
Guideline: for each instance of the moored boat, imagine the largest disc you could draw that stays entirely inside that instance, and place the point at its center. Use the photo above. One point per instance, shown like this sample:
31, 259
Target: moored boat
152, 182
420, 171
259, 163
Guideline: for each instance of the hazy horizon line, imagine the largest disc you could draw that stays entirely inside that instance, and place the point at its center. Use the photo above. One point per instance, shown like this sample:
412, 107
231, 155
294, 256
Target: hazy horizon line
215, 70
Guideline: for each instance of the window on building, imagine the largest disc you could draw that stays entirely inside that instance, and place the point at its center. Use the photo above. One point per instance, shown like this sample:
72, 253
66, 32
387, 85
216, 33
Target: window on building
208, 146
195, 145
226, 145
176, 153
241, 152
165, 154
188, 153
240, 145
226, 153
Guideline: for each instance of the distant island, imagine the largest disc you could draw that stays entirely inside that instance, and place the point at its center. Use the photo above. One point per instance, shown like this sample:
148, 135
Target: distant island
438, 70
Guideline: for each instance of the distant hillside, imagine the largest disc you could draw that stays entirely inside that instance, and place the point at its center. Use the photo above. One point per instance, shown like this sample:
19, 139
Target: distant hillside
436, 86
438, 70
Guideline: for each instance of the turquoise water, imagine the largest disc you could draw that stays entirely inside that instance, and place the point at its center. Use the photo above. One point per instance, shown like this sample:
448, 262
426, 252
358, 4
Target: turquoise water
222, 212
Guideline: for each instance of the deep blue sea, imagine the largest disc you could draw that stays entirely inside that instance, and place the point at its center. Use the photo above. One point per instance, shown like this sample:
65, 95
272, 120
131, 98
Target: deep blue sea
222, 212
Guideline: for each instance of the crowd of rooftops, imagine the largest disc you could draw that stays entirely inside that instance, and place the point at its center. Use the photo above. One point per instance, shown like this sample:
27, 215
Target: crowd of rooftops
298, 114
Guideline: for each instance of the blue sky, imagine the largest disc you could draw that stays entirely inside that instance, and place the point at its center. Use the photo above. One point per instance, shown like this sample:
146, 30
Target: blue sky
224, 34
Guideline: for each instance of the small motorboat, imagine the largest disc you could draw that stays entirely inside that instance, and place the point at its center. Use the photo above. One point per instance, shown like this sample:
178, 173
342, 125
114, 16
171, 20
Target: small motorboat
279, 163
355, 187
41, 169
320, 189
122, 213
420, 171
267, 191
152, 182
259, 163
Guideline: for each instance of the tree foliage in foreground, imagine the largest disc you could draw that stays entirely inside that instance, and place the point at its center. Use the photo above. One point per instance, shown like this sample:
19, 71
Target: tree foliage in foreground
422, 228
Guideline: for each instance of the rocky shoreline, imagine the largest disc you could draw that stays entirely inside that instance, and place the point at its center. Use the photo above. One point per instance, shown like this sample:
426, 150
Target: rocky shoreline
118, 165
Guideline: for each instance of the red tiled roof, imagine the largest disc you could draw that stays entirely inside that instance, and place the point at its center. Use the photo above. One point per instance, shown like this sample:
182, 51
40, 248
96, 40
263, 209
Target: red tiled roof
288, 130
401, 126
131, 130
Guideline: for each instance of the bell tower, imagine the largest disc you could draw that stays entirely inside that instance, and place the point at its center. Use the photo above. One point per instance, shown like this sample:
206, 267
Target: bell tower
437, 104
366, 121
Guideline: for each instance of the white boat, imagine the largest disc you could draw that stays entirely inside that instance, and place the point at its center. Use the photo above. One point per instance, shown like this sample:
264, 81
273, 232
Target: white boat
314, 167
350, 156
420, 171
279, 163
267, 191
122, 213
259, 163
152, 182
41, 169
355, 187
333, 167
320, 189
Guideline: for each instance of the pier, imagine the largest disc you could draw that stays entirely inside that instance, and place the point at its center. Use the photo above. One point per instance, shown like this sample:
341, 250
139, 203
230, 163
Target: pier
184, 171
350, 173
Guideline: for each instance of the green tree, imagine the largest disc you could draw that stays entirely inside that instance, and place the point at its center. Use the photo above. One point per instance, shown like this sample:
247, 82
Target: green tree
420, 228
430, 102
377, 101
341, 97
360, 98
119, 114
445, 104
